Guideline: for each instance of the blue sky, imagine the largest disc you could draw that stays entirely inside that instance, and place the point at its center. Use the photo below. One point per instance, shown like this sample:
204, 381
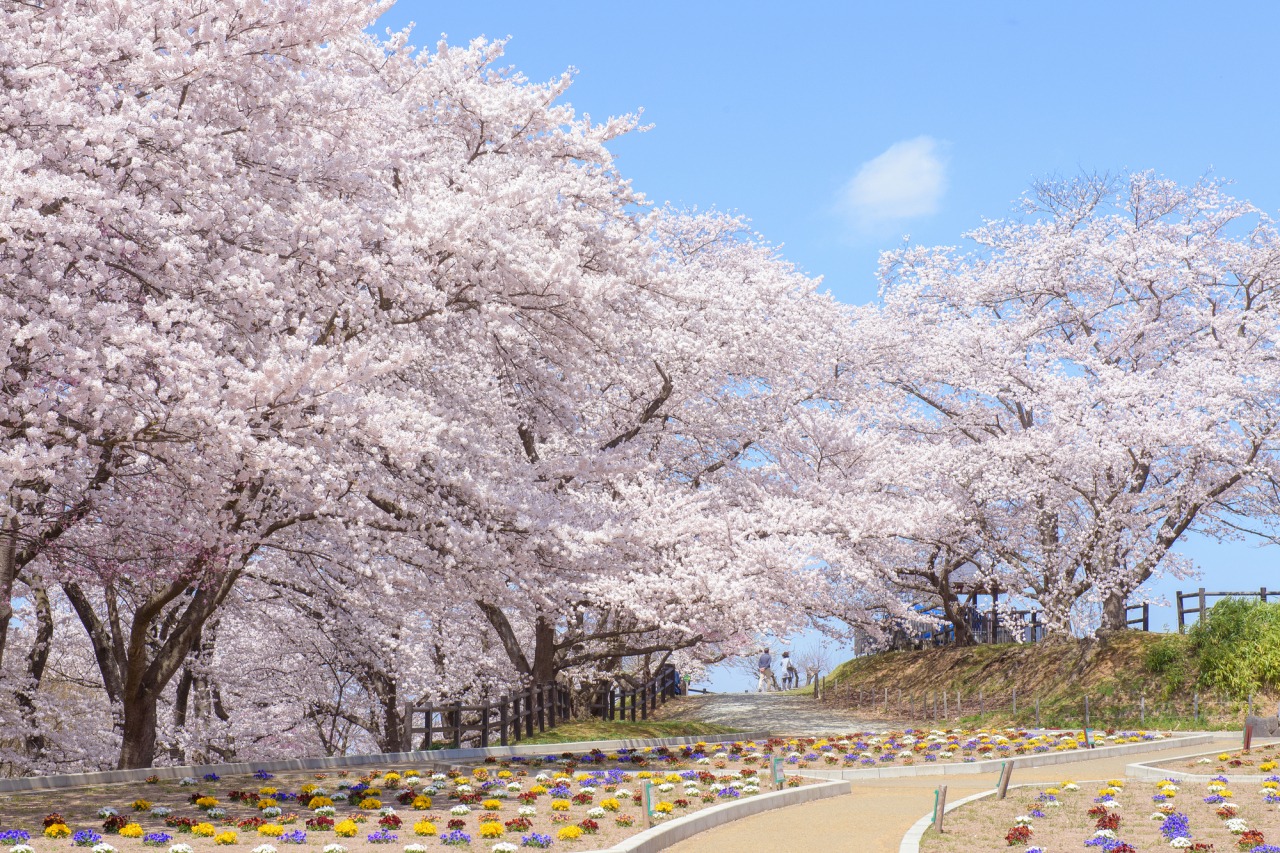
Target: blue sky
839, 128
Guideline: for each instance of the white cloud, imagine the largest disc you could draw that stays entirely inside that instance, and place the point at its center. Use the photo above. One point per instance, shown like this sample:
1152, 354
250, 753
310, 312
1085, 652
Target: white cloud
906, 181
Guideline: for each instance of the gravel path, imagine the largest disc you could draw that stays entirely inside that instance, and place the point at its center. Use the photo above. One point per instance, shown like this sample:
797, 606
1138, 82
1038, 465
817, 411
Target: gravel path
776, 713
878, 812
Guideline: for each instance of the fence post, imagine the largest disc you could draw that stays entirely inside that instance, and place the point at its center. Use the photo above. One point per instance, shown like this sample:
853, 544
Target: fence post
945, 712
1195, 706
484, 726
959, 713
430, 723
1015, 701
503, 722
1086, 711
1146, 616
457, 725
1037, 712
1142, 710
1263, 593
406, 734
1181, 625
939, 806
982, 704
1202, 608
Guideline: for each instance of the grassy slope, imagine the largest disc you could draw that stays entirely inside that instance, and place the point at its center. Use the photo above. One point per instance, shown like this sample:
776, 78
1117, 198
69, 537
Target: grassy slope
1113, 672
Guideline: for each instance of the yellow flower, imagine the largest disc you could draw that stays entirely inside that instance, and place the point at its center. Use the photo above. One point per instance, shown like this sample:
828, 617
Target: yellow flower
307, 788
411, 774
140, 805
1267, 766
370, 803
569, 833
271, 830
537, 790
131, 830
1116, 783
1051, 791
491, 829
346, 829
317, 802
268, 791
609, 804
644, 774
664, 807
267, 802
1226, 794
57, 830
504, 774
391, 779
206, 802
560, 805
203, 830
228, 837
672, 777
422, 801
1224, 757
424, 827
491, 805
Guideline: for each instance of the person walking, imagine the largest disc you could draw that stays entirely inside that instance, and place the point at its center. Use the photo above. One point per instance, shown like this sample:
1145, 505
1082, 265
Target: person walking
790, 675
765, 666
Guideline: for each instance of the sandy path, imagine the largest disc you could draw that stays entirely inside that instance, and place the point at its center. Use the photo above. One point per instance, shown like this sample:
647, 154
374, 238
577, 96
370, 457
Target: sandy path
877, 813
771, 712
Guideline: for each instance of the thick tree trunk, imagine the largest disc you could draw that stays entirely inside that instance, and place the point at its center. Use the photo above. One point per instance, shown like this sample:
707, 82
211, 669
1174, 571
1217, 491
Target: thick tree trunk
37, 659
1114, 614
138, 747
8, 573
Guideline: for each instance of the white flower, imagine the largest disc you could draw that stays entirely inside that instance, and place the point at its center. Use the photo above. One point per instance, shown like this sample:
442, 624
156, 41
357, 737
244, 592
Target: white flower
326, 811
415, 848
595, 813
1180, 842
437, 777
1071, 786
505, 847
459, 810
161, 811
464, 789
104, 847
1053, 804
271, 811
188, 781
751, 789
1105, 833
1205, 761
1023, 820
666, 787
22, 848
1237, 825
333, 848
1158, 816
1215, 787
264, 848
180, 848
526, 811
513, 787
386, 810
704, 760
107, 811
340, 796
623, 794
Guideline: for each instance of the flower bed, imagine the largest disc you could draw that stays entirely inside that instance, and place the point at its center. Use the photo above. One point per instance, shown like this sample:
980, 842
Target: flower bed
1119, 816
484, 808
852, 751
1260, 760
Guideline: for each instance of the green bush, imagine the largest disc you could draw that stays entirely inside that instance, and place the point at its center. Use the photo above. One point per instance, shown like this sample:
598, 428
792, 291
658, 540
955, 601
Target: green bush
1238, 644
1170, 658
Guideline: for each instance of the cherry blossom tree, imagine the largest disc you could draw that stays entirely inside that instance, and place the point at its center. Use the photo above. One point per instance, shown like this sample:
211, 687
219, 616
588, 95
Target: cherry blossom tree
1104, 367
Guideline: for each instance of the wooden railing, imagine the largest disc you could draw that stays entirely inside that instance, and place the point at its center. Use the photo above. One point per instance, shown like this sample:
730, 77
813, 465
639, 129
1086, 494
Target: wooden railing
505, 720
1199, 604
518, 715
614, 702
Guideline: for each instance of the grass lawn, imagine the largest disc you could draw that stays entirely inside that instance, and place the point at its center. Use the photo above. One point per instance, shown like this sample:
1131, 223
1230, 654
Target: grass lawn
626, 730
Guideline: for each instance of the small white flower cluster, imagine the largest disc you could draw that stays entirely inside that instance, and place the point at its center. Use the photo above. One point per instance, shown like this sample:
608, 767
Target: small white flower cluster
505, 847
333, 848
460, 810
386, 810
415, 848
527, 811
1237, 825
595, 813
188, 781
161, 811
1180, 842
271, 811
326, 811
264, 848
1105, 833
1022, 820
107, 811
104, 847
180, 848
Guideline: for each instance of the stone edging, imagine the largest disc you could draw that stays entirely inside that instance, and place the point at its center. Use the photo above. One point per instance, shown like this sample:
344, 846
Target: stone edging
911, 841
1148, 772
992, 765
672, 832
435, 756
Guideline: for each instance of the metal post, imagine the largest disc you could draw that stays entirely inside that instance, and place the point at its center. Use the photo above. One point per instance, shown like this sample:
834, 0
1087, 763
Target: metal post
1142, 710
1086, 711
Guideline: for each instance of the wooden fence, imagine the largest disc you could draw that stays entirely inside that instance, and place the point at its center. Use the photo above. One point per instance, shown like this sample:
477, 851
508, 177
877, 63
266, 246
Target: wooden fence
518, 715
1197, 602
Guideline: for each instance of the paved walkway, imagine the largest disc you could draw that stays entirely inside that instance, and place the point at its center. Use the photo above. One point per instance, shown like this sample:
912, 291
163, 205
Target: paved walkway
877, 813
771, 712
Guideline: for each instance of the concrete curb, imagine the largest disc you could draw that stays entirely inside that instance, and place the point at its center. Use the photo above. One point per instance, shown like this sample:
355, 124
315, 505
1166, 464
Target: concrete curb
435, 756
1149, 772
911, 841
993, 765
664, 835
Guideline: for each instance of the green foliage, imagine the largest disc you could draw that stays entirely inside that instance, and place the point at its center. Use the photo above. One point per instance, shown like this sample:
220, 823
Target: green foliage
1238, 645
1170, 658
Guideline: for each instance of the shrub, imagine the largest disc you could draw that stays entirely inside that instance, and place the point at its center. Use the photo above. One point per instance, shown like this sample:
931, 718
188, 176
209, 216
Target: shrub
1238, 644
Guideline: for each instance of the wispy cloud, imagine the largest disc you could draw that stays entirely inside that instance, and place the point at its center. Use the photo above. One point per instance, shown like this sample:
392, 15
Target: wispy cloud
906, 181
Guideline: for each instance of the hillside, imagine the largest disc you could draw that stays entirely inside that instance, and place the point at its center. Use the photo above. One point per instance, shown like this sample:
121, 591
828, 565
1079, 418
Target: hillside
1128, 677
